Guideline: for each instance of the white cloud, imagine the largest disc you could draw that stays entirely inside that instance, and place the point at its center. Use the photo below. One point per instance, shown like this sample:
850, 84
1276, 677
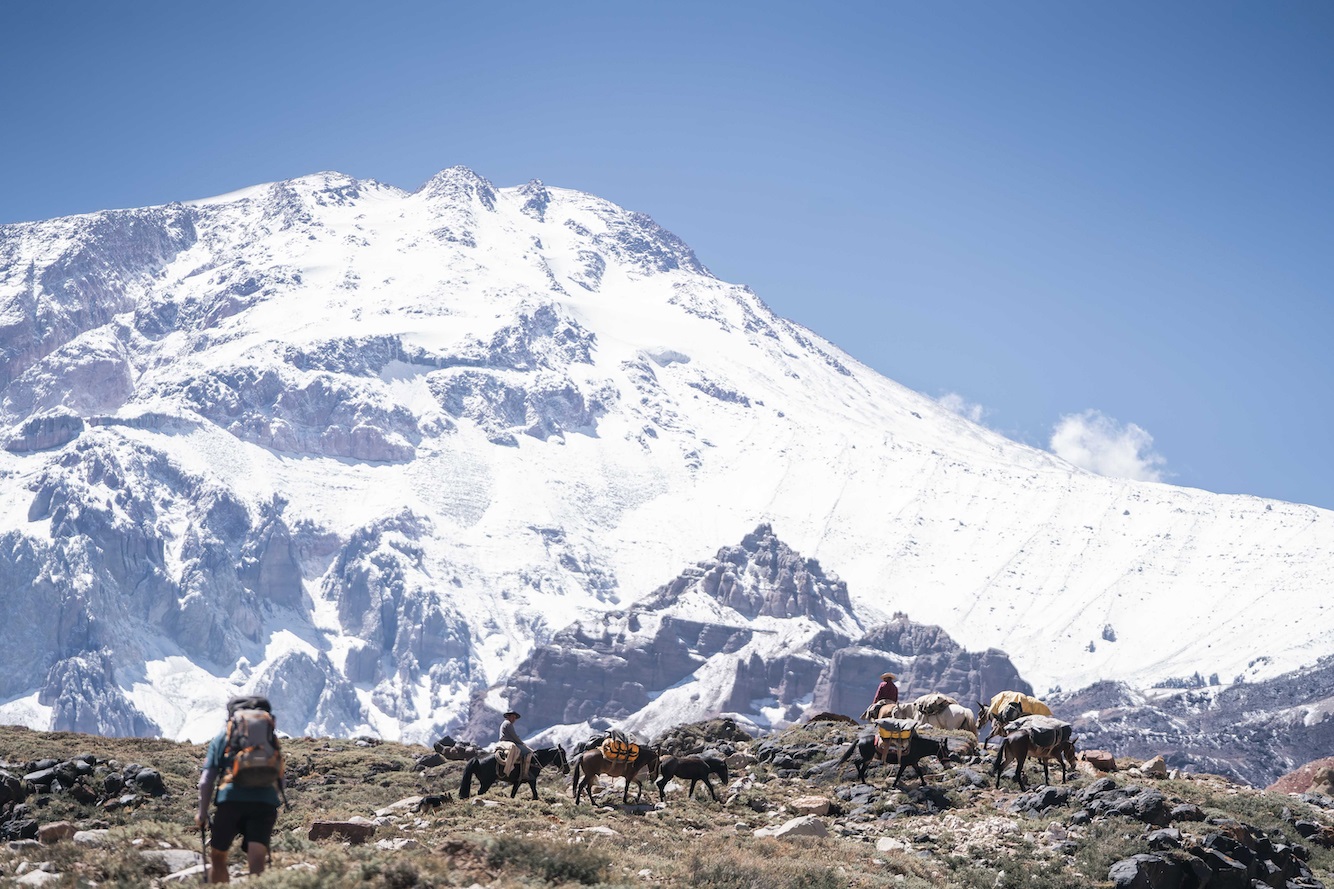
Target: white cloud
1093, 441
953, 401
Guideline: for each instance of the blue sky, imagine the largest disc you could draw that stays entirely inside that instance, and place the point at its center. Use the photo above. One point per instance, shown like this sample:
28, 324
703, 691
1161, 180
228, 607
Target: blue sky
1103, 228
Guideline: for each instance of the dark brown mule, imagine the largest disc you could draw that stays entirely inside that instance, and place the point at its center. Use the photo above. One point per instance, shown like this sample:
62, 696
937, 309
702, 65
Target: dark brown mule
591, 763
869, 751
693, 769
1020, 746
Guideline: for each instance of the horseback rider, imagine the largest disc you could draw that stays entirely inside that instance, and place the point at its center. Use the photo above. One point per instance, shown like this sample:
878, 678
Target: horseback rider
518, 752
886, 692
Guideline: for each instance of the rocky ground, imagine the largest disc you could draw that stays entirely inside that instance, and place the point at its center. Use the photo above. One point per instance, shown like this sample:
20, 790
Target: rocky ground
82, 810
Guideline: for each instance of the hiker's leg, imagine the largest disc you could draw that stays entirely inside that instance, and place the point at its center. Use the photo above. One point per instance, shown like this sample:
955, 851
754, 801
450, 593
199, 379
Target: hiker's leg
217, 866
257, 856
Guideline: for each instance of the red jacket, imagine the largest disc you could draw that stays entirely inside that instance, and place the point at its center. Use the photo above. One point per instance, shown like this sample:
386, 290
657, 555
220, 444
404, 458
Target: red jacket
887, 691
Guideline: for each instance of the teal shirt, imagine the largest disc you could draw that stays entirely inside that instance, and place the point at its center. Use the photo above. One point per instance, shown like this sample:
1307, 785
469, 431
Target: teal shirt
228, 793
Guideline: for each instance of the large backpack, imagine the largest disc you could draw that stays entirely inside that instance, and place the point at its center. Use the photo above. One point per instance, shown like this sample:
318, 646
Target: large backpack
250, 753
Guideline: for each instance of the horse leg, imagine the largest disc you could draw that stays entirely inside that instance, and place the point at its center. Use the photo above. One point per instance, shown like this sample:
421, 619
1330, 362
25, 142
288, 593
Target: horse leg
1019, 757
709, 784
532, 785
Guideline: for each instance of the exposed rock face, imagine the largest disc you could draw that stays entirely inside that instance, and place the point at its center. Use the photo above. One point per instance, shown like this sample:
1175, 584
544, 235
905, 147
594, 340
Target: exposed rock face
44, 432
924, 658
373, 452
1253, 732
84, 697
1316, 776
756, 591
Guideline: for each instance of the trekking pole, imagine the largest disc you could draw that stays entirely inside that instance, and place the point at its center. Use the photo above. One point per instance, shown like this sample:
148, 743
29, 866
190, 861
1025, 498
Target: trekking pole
203, 850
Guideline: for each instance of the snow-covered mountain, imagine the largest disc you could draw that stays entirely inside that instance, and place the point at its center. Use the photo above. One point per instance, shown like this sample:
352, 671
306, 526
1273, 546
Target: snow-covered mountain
368, 450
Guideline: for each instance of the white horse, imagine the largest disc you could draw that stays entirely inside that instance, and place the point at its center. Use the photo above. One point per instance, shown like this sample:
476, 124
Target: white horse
953, 716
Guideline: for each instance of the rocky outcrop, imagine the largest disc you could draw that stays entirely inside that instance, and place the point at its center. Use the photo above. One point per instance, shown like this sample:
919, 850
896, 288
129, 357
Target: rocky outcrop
84, 697
614, 669
924, 658
1253, 732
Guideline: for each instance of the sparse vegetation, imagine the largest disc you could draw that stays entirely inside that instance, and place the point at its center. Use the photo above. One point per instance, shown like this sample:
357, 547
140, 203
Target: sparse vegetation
957, 832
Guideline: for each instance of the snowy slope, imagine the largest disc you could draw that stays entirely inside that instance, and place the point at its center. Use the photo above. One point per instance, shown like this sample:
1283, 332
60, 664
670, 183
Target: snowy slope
364, 449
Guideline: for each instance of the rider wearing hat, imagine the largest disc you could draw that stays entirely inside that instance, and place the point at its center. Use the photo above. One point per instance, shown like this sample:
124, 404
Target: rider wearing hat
887, 691
517, 747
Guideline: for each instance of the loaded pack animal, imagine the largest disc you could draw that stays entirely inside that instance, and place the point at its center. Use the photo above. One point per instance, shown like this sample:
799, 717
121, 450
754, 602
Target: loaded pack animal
486, 770
889, 710
904, 746
944, 712
1036, 737
693, 769
596, 761
1004, 708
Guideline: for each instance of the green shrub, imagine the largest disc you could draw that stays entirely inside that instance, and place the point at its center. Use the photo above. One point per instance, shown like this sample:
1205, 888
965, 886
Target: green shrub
732, 871
552, 861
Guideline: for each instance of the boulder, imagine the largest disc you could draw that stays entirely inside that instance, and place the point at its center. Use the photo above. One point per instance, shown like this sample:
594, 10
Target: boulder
353, 832
1154, 768
810, 805
150, 782
170, 861
408, 804
805, 826
56, 831
1147, 872
12, 788
93, 838
1101, 760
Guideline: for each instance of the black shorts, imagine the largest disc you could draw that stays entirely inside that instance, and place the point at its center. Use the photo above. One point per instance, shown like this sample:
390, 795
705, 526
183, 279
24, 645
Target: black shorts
253, 821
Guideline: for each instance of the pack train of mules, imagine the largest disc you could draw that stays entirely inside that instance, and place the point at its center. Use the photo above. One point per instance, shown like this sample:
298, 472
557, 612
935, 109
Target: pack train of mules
904, 734
1027, 729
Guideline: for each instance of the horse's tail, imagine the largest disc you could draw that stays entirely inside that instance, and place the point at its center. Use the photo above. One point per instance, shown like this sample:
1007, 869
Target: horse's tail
465, 785
574, 783
847, 755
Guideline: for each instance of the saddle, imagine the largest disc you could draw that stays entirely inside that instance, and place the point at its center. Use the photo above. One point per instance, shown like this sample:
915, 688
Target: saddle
894, 734
873, 712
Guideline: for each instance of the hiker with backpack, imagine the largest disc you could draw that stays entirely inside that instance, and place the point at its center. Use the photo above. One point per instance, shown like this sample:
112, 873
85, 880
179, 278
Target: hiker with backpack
246, 765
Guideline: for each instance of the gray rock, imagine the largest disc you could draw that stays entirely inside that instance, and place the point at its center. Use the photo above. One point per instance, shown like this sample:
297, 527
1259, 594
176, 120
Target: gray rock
170, 861
1146, 872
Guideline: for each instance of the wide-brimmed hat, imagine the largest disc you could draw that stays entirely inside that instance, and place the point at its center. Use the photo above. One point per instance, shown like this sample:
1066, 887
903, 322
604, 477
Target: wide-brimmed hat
888, 677
514, 713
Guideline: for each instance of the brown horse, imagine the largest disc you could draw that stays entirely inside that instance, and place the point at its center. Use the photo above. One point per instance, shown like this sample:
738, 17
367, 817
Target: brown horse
592, 763
1026, 743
